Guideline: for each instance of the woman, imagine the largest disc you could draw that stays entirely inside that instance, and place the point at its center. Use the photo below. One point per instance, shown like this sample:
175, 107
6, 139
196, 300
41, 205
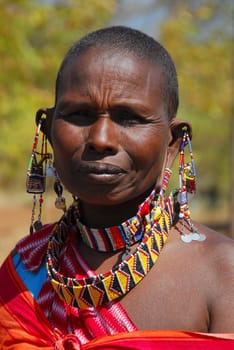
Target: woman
124, 258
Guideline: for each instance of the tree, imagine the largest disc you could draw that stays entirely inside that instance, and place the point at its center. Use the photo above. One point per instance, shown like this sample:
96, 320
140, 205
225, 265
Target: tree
35, 35
199, 37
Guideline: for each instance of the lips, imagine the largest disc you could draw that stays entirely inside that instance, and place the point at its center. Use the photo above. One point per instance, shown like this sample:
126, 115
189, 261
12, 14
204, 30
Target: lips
100, 173
100, 168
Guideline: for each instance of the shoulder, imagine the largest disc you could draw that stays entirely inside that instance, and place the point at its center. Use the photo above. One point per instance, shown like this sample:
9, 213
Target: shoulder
209, 262
206, 270
216, 252
218, 248
32, 248
213, 249
25, 266
218, 255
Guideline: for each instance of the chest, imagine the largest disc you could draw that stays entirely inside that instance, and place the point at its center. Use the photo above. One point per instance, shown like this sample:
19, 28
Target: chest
173, 295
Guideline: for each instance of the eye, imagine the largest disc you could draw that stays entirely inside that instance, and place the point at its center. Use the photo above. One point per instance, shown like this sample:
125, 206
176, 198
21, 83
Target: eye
127, 118
80, 117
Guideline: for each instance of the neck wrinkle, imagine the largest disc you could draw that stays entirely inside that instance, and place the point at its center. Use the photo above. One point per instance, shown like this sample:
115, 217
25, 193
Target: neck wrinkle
96, 216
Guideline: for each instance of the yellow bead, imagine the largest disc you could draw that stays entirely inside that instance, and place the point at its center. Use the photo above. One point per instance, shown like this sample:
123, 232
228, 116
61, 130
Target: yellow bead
157, 213
147, 227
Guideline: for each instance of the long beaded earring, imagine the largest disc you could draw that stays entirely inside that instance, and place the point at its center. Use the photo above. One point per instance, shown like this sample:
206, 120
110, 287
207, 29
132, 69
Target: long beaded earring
187, 184
166, 178
60, 202
36, 174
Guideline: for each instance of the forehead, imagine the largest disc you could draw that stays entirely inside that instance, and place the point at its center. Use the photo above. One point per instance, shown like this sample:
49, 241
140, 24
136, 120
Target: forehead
109, 65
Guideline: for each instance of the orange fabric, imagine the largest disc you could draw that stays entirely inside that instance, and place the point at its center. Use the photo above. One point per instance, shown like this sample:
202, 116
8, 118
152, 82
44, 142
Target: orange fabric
23, 326
14, 335
163, 340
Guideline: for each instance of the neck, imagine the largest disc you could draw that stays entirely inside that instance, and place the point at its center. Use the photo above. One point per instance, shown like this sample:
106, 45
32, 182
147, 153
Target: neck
98, 216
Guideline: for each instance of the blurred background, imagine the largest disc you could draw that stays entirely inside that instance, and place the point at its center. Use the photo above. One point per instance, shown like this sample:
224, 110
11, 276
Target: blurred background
34, 37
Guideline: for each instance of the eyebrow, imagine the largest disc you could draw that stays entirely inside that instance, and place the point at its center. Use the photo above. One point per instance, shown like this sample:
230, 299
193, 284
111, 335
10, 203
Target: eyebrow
68, 104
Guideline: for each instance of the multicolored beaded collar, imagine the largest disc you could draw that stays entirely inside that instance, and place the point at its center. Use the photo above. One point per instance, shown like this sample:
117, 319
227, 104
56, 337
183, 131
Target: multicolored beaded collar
117, 237
97, 290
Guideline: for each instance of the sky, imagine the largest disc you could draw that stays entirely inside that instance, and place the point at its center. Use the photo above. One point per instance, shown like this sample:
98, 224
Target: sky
141, 14
147, 15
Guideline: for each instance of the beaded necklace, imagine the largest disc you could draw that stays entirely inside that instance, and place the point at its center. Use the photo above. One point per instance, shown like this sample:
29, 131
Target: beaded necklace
97, 290
122, 236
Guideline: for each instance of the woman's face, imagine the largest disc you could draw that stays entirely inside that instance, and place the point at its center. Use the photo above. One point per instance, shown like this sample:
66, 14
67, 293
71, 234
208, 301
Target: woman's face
109, 130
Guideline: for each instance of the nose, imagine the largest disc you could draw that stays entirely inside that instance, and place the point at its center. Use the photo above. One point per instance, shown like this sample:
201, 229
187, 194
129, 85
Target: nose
102, 137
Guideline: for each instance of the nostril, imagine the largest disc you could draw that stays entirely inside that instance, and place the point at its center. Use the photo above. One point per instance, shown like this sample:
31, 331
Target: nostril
100, 149
91, 147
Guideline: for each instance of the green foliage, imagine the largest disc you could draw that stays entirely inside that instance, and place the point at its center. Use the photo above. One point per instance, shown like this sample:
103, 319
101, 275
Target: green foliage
202, 50
34, 37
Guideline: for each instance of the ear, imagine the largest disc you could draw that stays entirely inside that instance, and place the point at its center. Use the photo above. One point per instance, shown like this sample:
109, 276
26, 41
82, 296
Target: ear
177, 130
46, 123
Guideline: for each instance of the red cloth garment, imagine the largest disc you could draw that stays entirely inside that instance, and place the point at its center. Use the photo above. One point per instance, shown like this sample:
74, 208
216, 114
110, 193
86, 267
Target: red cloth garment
82, 325
43, 321
88, 323
22, 323
163, 340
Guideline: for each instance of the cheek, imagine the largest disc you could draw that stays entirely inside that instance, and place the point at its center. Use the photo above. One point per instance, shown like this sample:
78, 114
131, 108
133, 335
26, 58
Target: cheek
147, 150
66, 140
65, 136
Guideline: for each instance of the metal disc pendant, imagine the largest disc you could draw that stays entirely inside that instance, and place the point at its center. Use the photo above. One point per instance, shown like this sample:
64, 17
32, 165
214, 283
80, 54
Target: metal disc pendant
202, 237
186, 238
38, 225
195, 236
50, 171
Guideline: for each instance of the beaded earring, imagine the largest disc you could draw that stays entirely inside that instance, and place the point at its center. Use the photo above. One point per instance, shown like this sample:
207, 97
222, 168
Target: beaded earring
36, 173
60, 201
187, 184
165, 182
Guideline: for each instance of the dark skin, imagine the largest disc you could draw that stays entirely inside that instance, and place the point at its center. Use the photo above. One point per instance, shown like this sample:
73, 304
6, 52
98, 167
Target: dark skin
112, 139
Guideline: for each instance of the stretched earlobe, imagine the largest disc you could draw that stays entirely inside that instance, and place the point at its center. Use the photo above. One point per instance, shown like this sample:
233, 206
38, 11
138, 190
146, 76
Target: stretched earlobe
44, 115
177, 128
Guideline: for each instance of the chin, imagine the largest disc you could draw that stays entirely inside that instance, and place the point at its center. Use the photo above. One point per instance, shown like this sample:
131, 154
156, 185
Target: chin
102, 199
113, 197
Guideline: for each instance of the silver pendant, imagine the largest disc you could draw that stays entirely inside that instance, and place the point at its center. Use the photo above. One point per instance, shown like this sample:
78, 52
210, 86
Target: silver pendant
193, 236
202, 237
186, 238
50, 171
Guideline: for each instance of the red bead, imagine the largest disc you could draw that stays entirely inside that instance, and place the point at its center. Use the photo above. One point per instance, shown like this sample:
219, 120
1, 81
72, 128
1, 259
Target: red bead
145, 209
